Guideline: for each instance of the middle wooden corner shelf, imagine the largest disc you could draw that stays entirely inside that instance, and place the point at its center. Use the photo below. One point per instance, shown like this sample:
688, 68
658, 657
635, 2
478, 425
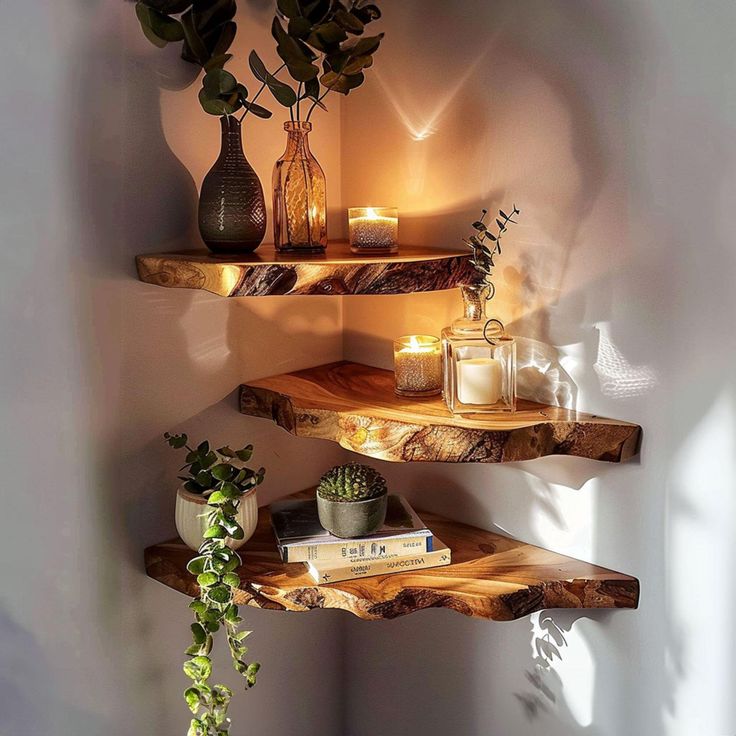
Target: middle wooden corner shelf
355, 405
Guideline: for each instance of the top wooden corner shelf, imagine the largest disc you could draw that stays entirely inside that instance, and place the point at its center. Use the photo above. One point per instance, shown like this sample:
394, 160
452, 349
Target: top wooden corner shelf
338, 272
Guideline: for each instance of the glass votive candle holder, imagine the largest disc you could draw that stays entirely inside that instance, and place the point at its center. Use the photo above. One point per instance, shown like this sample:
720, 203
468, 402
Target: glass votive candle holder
417, 365
373, 229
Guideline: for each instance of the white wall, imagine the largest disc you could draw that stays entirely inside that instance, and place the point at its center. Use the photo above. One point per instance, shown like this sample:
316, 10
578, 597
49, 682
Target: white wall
611, 125
97, 166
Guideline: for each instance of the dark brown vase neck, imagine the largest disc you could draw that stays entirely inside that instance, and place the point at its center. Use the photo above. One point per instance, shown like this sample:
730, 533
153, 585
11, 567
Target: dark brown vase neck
231, 147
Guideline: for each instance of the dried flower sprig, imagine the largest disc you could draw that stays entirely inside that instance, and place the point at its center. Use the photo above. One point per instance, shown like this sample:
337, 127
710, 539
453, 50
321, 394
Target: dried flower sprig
483, 254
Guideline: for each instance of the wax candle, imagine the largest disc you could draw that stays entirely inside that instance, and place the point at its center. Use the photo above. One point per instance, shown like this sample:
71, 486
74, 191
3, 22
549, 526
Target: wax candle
479, 380
417, 365
373, 229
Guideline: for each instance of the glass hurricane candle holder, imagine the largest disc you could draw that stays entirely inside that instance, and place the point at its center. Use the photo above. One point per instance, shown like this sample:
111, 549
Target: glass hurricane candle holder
479, 359
417, 365
373, 229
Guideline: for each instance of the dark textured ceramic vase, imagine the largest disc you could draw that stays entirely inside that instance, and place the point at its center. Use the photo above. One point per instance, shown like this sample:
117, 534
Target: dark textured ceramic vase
232, 211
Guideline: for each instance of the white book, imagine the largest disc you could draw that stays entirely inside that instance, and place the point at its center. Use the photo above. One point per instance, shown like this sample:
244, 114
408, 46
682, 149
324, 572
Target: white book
331, 572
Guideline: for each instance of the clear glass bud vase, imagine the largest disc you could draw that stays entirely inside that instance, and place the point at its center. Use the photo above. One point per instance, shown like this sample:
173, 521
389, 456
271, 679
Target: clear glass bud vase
299, 195
479, 359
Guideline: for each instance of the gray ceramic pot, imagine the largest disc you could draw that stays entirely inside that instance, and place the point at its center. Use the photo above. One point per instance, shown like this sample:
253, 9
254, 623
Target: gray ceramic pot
349, 519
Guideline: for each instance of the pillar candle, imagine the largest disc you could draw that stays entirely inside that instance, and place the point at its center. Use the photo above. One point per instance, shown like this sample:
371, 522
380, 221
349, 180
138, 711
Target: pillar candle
479, 380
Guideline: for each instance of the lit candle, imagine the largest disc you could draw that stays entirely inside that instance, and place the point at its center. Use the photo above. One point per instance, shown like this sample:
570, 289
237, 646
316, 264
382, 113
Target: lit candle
374, 229
479, 380
417, 365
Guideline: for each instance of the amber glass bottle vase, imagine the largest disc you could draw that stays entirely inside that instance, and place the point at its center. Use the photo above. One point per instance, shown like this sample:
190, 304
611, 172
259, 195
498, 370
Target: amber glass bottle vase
299, 196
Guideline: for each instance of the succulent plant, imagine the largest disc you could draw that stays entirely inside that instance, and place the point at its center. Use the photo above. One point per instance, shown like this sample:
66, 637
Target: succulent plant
351, 482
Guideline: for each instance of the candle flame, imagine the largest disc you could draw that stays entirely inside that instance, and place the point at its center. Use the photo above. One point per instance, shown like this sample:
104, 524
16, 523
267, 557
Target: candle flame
370, 213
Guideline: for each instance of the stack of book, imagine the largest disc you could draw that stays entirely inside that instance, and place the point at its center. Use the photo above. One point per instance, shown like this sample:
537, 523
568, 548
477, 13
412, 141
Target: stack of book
403, 543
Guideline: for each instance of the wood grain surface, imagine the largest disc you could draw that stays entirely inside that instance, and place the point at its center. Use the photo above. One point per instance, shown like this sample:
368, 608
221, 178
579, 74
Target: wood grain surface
265, 273
491, 577
355, 405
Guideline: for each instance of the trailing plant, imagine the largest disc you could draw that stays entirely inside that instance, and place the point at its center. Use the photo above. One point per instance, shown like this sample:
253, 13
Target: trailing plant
222, 478
206, 30
483, 254
322, 46
351, 482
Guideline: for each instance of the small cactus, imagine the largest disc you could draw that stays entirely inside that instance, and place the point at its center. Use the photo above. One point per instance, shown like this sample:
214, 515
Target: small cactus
351, 482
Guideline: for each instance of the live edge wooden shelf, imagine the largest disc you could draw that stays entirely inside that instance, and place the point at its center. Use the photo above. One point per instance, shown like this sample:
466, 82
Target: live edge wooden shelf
338, 272
491, 577
355, 405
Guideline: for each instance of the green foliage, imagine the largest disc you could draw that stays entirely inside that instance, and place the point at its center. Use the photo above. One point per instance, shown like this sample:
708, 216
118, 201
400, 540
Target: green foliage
221, 477
206, 30
351, 482
322, 46
483, 253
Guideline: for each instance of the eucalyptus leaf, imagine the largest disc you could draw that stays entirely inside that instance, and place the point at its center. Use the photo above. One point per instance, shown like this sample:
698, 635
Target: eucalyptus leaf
217, 62
257, 110
342, 83
217, 14
284, 94
194, 41
215, 106
349, 21
224, 39
365, 46
326, 36
367, 13
162, 26
289, 8
169, 6
300, 28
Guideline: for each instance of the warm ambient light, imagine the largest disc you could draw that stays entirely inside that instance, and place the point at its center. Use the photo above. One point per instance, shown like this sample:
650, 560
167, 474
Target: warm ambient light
373, 229
417, 365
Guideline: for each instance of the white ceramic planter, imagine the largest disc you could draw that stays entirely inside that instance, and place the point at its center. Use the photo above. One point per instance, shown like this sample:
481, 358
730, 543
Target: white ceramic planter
191, 522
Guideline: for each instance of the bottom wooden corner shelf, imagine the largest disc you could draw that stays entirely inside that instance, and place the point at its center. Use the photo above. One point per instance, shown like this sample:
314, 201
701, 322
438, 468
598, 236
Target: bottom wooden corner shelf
491, 576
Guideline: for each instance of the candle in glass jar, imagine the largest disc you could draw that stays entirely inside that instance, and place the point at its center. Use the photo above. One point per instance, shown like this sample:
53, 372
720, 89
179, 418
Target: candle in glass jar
417, 365
374, 229
479, 380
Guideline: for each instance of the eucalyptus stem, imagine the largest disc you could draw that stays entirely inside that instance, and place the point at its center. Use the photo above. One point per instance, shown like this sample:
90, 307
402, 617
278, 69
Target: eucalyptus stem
258, 94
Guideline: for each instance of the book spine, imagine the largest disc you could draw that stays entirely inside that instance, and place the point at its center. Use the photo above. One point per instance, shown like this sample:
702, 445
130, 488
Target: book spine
364, 568
337, 552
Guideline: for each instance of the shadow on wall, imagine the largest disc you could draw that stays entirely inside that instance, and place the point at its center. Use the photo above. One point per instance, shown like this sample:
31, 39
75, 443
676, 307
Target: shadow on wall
155, 358
547, 119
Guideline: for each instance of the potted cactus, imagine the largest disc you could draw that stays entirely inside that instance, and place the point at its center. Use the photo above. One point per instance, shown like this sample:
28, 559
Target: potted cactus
351, 500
